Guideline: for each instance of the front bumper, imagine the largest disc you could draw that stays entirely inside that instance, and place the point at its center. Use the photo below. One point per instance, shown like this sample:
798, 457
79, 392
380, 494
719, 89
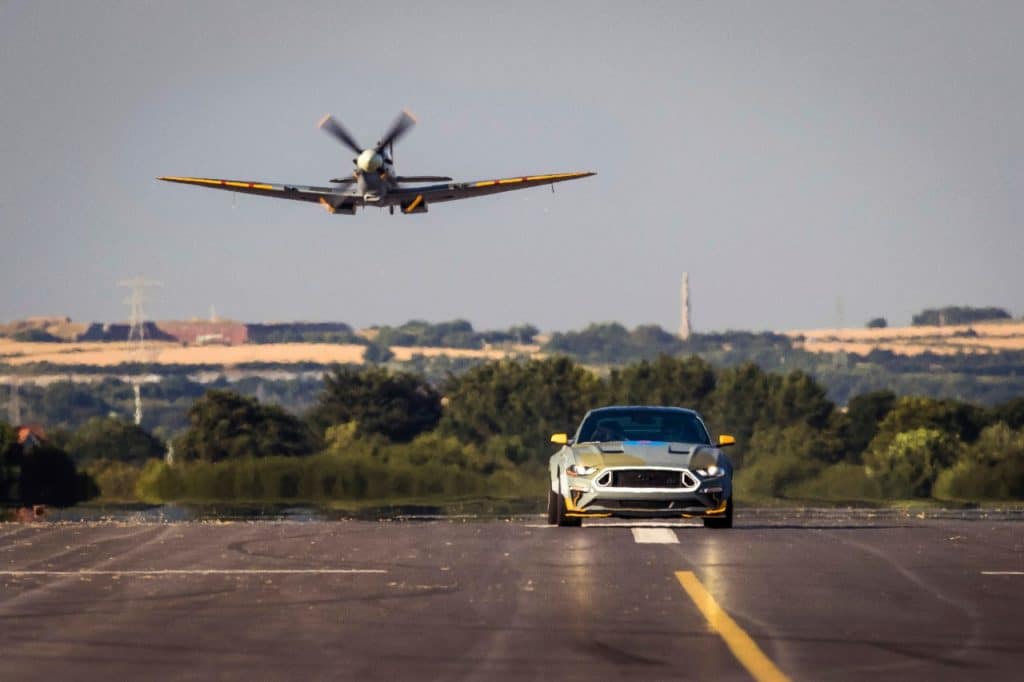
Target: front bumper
709, 498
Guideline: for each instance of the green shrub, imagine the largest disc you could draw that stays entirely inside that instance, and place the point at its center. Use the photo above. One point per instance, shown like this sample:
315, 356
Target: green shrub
992, 468
843, 481
114, 480
772, 476
911, 462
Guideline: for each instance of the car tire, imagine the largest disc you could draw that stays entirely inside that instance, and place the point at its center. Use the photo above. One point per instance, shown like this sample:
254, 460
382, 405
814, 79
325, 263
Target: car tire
723, 521
552, 508
560, 518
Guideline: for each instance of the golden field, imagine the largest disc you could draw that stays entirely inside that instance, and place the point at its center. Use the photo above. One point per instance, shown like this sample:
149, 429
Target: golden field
115, 353
982, 337
985, 337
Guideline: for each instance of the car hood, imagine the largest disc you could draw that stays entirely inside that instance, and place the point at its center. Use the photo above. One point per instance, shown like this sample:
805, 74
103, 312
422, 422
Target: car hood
640, 453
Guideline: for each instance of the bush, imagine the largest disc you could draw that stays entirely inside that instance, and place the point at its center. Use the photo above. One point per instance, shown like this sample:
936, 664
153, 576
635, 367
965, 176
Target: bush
109, 438
839, 482
951, 417
429, 466
780, 457
115, 481
992, 468
48, 476
908, 465
772, 476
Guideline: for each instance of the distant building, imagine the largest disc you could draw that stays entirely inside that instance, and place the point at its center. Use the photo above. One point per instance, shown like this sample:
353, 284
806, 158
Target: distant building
117, 331
30, 436
206, 332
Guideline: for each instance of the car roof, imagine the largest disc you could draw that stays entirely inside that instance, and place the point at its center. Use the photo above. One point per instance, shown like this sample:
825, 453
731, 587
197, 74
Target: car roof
652, 408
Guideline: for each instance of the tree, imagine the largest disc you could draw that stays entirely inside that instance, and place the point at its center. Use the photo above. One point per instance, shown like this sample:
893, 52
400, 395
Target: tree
396, 405
66, 404
1010, 413
740, 402
610, 342
48, 476
225, 425
877, 323
963, 420
683, 382
864, 413
109, 438
10, 462
953, 314
909, 463
799, 399
377, 353
525, 400
782, 456
990, 469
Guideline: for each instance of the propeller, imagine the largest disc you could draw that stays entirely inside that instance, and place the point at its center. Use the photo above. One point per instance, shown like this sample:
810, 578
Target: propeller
399, 128
369, 160
338, 131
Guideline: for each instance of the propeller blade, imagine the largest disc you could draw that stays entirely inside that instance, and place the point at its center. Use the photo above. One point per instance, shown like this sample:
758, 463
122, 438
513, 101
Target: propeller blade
401, 125
330, 125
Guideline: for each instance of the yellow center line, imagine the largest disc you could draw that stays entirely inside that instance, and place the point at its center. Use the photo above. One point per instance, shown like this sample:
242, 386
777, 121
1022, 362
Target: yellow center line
739, 642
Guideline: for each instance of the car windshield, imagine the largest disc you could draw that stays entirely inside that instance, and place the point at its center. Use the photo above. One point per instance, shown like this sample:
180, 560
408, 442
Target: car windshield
671, 426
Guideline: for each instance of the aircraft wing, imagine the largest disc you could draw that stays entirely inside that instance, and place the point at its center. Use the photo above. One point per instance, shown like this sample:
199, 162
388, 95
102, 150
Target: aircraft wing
316, 195
466, 190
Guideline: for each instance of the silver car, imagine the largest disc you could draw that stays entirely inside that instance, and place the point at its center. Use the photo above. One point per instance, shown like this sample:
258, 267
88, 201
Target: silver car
640, 462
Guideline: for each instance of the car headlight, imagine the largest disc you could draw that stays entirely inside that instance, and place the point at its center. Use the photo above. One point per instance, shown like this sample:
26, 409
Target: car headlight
711, 472
580, 470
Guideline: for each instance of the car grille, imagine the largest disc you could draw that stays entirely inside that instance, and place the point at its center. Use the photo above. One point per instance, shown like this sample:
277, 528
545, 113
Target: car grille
693, 506
641, 504
651, 478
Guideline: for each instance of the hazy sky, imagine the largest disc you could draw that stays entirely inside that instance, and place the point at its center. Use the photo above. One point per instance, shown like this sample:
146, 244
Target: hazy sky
788, 155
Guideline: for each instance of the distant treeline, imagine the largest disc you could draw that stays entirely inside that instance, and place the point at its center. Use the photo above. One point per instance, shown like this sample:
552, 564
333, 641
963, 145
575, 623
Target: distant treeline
373, 433
958, 315
302, 332
454, 334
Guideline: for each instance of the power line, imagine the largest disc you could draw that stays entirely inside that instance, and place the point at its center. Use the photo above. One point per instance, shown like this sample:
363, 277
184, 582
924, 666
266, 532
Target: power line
137, 329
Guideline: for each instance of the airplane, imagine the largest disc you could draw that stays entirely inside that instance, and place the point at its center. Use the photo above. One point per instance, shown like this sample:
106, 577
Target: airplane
375, 181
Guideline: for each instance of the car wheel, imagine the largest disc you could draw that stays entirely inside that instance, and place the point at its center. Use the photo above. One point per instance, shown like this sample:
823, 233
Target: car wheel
723, 521
552, 507
560, 518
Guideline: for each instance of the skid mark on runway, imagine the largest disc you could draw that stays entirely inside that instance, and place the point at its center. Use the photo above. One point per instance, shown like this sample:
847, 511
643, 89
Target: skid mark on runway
657, 536
968, 608
620, 656
198, 571
743, 647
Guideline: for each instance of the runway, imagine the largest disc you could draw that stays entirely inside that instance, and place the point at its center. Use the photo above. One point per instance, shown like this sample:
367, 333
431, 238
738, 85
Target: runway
829, 596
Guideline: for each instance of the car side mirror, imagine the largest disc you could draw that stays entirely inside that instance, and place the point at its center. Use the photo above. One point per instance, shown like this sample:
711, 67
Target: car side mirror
726, 440
560, 438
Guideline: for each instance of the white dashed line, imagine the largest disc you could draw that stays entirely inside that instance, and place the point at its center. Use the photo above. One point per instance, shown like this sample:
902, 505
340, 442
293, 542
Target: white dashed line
1002, 572
202, 571
661, 536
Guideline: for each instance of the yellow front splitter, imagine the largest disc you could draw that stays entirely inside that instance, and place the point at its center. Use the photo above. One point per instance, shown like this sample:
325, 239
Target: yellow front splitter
575, 512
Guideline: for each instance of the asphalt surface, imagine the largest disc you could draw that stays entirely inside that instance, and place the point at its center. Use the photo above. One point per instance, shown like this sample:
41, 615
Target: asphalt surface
830, 596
